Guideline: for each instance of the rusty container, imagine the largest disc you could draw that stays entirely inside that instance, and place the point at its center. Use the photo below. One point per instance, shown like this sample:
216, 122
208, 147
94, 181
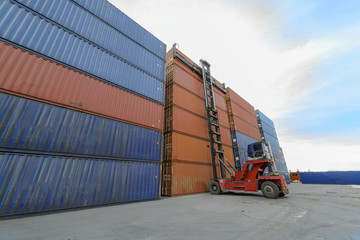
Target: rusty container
27, 75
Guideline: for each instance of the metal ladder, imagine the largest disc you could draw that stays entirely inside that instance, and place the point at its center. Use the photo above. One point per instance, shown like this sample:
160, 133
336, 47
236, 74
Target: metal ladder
217, 151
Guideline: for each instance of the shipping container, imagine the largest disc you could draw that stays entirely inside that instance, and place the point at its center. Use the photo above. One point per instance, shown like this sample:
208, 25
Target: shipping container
264, 118
28, 125
23, 28
236, 98
39, 183
84, 24
25, 74
242, 116
331, 177
190, 149
264, 127
120, 21
239, 125
186, 122
185, 178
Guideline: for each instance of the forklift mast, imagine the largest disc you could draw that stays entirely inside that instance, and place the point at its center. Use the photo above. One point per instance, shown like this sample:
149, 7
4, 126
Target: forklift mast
217, 151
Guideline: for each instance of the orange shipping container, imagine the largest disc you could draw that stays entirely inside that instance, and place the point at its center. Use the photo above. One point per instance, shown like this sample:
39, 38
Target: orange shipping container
242, 116
190, 149
239, 100
25, 74
245, 128
241, 113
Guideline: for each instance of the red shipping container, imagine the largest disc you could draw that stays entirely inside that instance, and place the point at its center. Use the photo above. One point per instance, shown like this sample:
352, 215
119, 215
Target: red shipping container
27, 75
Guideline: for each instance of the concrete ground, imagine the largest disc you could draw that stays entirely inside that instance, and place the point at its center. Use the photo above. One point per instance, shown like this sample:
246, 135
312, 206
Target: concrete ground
309, 212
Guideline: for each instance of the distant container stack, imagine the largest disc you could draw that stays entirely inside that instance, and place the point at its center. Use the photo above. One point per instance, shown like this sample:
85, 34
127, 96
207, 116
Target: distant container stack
243, 125
331, 177
187, 164
81, 105
268, 134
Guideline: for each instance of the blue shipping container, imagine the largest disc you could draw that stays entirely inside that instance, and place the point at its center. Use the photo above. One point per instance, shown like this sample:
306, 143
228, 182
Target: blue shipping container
240, 147
35, 183
76, 19
114, 17
30, 31
264, 127
33, 126
331, 177
264, 118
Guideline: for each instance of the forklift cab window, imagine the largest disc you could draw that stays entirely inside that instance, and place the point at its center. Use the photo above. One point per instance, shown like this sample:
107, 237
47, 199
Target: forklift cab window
255, 150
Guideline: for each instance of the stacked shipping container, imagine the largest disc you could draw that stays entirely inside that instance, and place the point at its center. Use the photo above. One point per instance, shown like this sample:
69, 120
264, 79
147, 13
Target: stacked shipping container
268, 134
187, 164
243, 125
81, 94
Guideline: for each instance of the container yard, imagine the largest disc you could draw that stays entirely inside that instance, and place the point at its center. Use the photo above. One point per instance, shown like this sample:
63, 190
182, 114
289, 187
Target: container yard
106, 132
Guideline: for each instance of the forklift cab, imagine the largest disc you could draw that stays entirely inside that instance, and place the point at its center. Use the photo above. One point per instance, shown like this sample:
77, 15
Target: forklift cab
258, 150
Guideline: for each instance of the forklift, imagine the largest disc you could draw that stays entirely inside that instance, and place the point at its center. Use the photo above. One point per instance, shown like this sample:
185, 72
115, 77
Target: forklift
249, 178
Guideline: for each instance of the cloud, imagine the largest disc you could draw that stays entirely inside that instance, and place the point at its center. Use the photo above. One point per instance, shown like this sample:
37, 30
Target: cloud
321, 154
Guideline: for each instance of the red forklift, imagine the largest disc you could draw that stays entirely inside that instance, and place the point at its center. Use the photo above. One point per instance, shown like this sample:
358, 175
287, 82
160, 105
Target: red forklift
249, 178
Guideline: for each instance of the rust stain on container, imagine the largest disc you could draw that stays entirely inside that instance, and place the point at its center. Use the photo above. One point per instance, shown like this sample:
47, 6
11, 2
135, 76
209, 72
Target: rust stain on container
27, 75
185, 178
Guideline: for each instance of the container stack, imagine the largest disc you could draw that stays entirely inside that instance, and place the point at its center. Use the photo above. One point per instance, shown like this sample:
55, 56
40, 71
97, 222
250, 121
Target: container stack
268, 134
243, 125
81, 105
187, 164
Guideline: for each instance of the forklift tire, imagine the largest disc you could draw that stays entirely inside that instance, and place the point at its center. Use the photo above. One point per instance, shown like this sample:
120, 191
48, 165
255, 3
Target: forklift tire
269, 189
214, 188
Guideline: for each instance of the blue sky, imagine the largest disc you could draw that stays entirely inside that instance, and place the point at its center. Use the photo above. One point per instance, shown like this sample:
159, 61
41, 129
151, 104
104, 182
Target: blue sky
295, 60
335, 107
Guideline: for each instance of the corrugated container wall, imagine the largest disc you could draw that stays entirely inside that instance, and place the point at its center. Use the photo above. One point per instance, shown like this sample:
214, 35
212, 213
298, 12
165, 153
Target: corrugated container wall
187, 164
243, 125
28, 75
27, 125
81, 100
32, 183
31, 30
268, 134
331, 177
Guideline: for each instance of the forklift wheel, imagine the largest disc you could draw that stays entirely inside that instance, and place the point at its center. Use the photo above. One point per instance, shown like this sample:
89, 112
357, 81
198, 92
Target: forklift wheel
270, 190
215, 188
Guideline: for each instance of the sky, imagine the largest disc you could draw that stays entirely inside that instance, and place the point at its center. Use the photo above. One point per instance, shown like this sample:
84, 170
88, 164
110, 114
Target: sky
298, 61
